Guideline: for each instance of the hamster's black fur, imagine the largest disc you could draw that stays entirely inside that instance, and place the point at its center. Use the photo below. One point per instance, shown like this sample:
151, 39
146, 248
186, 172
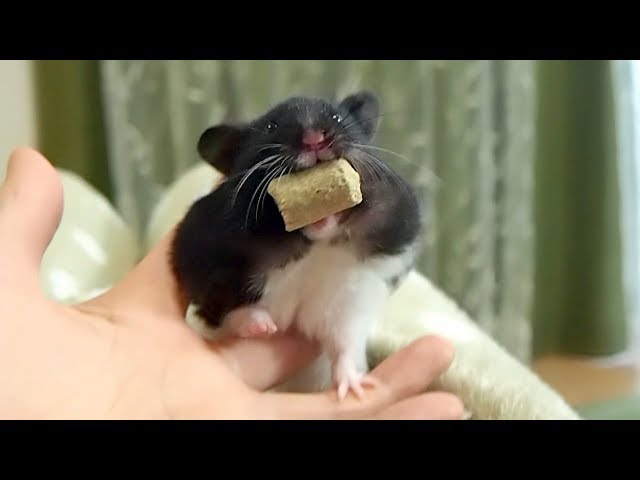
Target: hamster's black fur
231, 238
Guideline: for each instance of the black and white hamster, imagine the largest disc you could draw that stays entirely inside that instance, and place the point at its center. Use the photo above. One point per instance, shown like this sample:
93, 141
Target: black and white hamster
245, 273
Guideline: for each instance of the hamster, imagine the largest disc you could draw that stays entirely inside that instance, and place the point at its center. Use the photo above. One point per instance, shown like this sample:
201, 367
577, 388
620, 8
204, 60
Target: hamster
246, 275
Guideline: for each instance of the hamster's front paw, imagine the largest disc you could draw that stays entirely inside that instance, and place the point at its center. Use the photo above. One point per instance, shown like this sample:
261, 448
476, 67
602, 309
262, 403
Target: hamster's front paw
249, 322
347, 376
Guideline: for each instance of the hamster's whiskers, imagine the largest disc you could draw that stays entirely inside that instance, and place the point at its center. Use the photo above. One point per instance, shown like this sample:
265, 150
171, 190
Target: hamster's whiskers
262, 163
272, 172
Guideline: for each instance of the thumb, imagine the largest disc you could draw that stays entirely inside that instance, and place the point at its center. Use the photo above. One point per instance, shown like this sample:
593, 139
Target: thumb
31, 202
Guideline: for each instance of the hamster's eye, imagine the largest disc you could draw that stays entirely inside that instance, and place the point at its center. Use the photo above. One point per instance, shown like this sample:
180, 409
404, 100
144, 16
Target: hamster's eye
337, 117
271, 126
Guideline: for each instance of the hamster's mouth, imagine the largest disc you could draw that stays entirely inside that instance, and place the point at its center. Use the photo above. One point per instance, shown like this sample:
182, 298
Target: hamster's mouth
321, 223
308, 159
325, 228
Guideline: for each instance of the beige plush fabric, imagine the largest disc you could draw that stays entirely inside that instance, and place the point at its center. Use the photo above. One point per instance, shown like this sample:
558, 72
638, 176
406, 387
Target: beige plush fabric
493, 384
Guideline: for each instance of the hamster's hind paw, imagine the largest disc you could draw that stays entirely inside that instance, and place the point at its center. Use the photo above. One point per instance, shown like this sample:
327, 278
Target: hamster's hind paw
248, 322
348, 378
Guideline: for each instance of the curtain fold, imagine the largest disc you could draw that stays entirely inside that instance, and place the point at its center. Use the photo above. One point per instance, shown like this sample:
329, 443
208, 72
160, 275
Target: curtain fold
71, 128
515, 161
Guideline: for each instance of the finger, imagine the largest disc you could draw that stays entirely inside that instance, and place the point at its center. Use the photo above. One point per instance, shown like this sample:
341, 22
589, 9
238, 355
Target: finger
429, 406
412, 369
263, 363
150, 287
31, 203
406, 373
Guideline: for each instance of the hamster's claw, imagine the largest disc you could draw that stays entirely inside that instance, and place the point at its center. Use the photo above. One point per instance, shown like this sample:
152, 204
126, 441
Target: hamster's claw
349, 384
348, 378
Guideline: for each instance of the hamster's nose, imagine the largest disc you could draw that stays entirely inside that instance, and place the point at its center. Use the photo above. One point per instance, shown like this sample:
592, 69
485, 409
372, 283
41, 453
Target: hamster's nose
313, 139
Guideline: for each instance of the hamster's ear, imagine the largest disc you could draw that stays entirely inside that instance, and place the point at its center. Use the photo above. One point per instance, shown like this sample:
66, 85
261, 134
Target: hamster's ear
218, 145
362, 109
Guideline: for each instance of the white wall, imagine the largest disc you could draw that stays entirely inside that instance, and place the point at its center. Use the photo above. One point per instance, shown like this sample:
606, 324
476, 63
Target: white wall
626, 77
634, 222
17, 108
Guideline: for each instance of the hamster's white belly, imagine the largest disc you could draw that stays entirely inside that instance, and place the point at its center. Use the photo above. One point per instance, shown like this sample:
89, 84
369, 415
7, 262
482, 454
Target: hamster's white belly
328, 290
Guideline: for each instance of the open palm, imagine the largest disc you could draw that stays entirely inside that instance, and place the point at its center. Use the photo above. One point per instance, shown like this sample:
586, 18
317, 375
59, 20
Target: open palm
129, 353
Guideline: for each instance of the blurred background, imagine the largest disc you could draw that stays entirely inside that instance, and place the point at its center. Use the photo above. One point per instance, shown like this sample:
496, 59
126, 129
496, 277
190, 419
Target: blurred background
528, 171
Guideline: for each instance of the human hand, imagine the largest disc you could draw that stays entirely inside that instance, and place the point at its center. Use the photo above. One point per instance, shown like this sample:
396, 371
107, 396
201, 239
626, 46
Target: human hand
129, 354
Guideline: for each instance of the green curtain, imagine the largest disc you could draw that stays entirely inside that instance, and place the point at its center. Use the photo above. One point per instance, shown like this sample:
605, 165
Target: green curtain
70, 118
578, 305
